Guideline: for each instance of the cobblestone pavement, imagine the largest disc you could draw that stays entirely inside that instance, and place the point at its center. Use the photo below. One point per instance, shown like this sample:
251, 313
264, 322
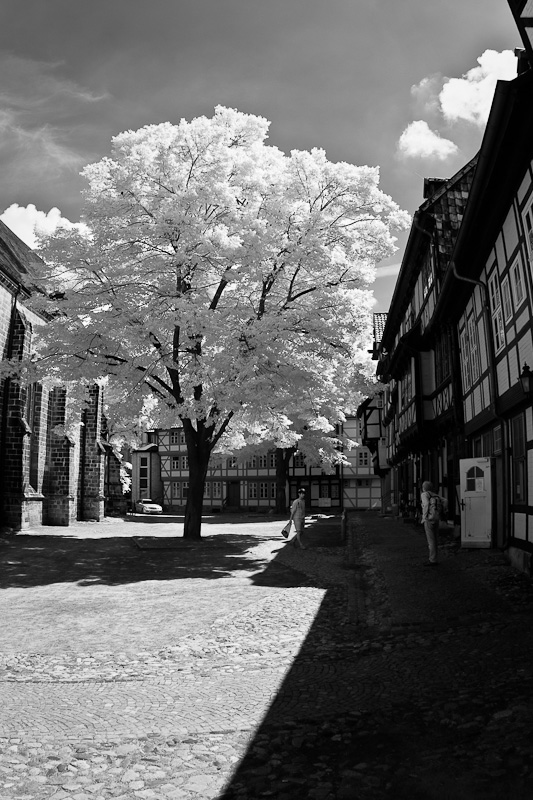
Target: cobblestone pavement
137, 666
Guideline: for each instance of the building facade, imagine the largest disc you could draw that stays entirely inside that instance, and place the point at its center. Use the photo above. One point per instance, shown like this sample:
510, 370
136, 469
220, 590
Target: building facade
160, 471
457, 337
50, 476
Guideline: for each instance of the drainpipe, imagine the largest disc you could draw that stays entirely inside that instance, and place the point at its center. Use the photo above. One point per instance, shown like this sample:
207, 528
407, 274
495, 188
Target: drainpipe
492, 383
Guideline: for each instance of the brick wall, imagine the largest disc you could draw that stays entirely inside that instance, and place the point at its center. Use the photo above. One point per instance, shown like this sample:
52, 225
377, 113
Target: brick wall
21, 502
59, 484
92, 458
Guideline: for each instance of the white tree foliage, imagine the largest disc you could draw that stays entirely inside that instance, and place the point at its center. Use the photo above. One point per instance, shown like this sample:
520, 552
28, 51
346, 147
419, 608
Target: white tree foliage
218, 281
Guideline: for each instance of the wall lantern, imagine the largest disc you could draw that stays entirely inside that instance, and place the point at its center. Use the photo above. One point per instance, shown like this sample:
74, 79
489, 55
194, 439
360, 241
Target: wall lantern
522, 11
526, 379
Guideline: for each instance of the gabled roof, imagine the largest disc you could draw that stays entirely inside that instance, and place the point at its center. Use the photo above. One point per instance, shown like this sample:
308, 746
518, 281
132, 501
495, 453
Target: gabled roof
17, 260
442, 211
505, 154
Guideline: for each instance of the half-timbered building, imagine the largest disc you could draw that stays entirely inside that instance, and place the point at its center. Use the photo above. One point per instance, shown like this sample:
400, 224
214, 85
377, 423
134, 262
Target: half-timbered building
488, 293
160, 471
421, 414
458, 342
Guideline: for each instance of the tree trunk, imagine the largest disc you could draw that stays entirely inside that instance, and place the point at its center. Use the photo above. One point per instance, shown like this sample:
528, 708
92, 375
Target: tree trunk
282, 464
199, 455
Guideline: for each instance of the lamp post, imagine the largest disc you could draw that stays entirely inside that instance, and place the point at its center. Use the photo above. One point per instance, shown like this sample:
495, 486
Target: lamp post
526, 379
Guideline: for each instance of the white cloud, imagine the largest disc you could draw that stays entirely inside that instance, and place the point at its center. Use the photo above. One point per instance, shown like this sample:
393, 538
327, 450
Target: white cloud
470, 97
450, 101
426, 94
27, 221
28, 84
419, 141
388, 271
35, 102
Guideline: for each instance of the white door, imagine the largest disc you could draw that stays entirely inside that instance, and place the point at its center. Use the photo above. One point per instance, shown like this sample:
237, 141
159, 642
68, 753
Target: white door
476, 502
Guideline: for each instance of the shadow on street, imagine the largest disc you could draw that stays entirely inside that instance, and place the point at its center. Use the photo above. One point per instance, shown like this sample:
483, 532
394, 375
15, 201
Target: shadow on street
39, 560
364, 714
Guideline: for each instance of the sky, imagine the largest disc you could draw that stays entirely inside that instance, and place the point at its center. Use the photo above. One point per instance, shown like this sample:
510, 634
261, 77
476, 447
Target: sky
405, 86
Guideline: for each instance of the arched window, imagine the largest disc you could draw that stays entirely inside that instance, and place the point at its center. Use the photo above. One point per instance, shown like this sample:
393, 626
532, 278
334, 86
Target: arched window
475, 480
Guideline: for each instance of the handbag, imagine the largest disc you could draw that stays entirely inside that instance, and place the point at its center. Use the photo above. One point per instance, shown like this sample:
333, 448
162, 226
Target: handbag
287, 529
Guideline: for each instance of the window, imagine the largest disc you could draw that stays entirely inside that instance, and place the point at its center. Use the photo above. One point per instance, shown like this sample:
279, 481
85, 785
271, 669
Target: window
231, 463
465, 361
324, 490
362, 458
475, 480
443, 358
299, 460
143, 473
406, 389
252, 462
518, 455
496, 312
273, 490
263, 490
207, 490
528, 218
473, 349
263, 462
175, 490
174, 437
497, 439
506, 300
184, 462
427, 276
362, 482
272, 460
517, 282
184, 489
175, 462
217, 489
252, 491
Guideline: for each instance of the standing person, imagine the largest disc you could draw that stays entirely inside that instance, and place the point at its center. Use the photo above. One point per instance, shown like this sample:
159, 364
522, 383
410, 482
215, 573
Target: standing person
298, 517
432, 508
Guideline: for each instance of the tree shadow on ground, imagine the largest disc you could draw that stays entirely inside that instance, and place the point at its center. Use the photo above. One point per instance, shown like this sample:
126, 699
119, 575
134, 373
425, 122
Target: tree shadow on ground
29, 560
39, 560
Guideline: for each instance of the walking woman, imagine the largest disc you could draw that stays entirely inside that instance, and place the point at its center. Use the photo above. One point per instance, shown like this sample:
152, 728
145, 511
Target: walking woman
298, 517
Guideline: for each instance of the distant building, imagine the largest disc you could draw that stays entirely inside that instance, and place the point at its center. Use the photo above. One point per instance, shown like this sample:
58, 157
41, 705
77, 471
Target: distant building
160, 471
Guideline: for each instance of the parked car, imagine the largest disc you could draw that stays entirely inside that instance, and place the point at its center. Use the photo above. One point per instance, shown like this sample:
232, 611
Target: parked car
147, 506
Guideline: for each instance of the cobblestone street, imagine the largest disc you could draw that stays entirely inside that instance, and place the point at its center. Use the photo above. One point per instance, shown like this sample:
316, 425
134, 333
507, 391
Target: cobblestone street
135, 665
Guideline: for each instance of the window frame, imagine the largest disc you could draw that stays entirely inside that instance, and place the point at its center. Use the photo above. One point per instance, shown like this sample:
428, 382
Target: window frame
517, 282
465, 360
507, 300
528, 227
495, 301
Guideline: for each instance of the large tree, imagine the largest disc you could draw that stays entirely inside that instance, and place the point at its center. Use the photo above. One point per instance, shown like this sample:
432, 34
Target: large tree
216, 277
